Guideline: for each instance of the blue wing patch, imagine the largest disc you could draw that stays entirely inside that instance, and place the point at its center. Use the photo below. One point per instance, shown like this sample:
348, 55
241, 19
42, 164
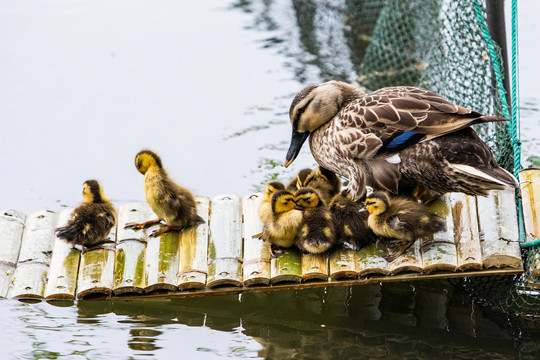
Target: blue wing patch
403, 140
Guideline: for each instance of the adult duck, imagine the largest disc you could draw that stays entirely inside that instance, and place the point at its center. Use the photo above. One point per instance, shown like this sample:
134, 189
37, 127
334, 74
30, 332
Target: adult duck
358, 135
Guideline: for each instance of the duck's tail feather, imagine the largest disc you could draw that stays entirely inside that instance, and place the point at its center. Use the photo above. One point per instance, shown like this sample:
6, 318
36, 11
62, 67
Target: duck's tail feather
496, 176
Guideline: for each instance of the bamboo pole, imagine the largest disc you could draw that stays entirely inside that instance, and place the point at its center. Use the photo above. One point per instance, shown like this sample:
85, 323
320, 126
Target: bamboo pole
225, 244
194, 250
62, 278
410, 260
134, 212
129, 268
499, 232
96, 273
287, 267
314, 267
370, 260
162, 259
33, 264
343, 264
11, 231
439, 251
256, 268
466, 231
529, 183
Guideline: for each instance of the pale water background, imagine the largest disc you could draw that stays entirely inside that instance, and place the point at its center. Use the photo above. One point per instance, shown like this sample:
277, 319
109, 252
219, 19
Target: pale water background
207, 84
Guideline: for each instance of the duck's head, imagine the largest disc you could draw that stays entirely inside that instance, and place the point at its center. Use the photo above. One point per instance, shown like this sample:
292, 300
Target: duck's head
307, 198
146, 159
302, 179
377, 203
92, 192
271, 188
282, 201
314, 106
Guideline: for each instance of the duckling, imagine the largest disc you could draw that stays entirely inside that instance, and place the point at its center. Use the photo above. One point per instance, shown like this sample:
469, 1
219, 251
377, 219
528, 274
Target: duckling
317, 233
400, 218
299, 180
92, 221
172, 203
286, 220
326, 182
351, 223
265, 208
363, 137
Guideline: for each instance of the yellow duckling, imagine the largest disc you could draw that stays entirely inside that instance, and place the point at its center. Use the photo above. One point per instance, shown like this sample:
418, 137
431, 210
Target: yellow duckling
351, 223
299, 180
172, 203
317, 233
92, 221
265, 208
400, 218
286, 220
326, 182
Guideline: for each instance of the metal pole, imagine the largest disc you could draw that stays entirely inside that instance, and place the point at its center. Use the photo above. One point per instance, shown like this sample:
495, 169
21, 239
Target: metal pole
497, 30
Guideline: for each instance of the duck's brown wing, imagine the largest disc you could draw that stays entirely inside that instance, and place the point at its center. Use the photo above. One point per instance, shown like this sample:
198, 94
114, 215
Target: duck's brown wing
394, 118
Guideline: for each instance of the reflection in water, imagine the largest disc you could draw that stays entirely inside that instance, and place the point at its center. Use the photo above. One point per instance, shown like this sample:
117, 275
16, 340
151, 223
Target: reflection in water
421, 319
143, 339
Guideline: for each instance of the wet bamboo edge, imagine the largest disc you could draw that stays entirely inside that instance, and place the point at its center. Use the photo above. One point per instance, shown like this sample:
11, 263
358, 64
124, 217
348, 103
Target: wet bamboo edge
312, 285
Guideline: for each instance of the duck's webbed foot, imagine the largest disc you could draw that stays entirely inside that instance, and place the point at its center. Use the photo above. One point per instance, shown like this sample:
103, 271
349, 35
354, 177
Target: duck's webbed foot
164, 229
392, 257
275, 251
140, 226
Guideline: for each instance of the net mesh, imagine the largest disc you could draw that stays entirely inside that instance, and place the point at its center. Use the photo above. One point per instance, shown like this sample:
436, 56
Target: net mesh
436, 44
439, 45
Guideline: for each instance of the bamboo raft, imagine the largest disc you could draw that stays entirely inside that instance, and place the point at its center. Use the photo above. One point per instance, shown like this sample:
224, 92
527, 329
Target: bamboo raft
221, 257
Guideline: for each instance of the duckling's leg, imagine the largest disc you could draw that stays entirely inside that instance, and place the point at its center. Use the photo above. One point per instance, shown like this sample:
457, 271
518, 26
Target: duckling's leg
164, 229
393, 257
144, 225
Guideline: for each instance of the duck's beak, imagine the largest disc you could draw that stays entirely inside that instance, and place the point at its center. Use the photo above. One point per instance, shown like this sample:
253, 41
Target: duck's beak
298, 139
363, 209
298, 207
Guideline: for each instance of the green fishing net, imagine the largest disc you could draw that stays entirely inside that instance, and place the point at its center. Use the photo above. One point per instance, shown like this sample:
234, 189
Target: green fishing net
439, 45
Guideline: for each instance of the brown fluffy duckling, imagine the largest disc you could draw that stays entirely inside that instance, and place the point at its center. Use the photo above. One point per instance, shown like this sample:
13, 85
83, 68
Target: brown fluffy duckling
400, 218
265, 208
317, 234
286, 220
299, 180
326, 182
172, 203
351, 223
92, 221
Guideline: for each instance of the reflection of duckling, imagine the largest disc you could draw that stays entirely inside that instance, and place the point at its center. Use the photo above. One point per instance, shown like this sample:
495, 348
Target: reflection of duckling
400, 218
92, 221
326, 182
265, 208
286, 220
317, 234
350, 223
299, 180
172, 203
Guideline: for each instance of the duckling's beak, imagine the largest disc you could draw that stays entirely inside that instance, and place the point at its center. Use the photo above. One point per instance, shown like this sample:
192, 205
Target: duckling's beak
298, 139
363, 209
298, 207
